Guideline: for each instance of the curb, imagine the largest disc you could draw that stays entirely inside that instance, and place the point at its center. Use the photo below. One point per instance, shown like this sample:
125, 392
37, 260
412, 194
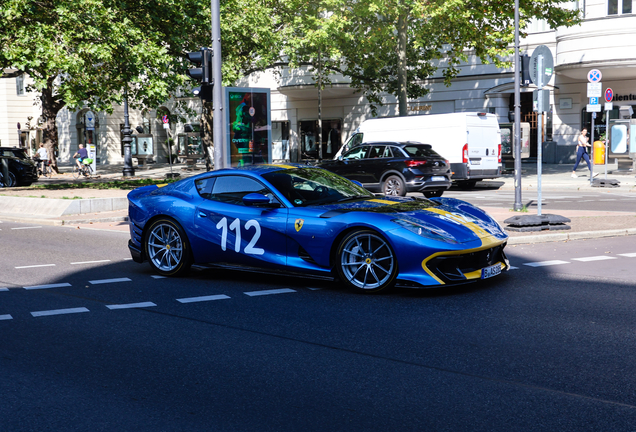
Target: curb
583, 235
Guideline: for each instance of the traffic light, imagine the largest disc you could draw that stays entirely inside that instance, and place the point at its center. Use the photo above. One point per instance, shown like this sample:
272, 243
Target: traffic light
202, 73
524, 61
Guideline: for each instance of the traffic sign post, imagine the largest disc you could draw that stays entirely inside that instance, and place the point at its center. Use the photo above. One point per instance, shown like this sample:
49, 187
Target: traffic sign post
541, 69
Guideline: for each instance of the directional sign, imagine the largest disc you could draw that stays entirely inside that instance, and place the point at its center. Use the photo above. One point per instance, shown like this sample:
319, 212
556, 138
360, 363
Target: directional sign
594, 75
609, 94
541, 77
90, 120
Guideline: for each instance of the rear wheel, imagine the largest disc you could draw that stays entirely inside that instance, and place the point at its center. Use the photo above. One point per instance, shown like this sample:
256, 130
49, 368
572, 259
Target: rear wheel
433, 194
394, 185
366, 262
167, 248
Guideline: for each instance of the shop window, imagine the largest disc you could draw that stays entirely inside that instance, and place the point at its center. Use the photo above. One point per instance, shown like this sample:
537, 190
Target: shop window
280, 140
310, 148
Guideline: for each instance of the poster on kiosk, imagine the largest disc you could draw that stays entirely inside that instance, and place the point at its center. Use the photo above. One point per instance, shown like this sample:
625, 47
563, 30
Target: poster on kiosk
249, 126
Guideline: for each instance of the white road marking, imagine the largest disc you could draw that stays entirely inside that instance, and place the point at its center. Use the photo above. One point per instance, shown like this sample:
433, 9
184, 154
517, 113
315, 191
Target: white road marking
514, 268
59, 312
29, 227
5, 317
158, 277
203, 298
103, 281
47, 286
611, 199
629, 255
594, 258
90, 262
268, 292
34, 266
545, 263
131, 305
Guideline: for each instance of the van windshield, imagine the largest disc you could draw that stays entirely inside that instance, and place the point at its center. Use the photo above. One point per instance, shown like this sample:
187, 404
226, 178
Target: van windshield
420, 151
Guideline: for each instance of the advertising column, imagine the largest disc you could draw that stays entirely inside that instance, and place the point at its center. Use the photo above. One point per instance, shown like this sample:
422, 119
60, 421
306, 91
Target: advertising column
248, 122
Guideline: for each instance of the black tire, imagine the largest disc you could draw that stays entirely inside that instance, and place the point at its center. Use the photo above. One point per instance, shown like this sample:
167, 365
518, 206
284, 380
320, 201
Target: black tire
12, 180
167, 248
365, 262
467, 184
393, 185
433, 194
76, 172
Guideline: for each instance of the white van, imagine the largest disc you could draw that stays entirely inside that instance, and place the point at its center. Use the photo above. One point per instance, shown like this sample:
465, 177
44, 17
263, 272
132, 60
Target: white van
470, 141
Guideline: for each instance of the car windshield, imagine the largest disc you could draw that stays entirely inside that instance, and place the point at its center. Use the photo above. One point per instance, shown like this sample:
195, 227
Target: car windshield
315, 186
420, 150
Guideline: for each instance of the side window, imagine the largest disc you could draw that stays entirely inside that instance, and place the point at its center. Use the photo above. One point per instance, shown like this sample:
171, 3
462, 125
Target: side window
356, 140
232, 189
387, 152
376, 152
204, 187
356, 153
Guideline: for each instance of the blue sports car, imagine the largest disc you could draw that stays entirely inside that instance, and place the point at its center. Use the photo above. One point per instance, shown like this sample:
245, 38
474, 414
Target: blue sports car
308, 221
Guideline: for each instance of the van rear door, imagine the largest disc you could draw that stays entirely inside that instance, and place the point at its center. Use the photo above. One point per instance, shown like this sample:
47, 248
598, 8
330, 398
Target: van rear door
484, 146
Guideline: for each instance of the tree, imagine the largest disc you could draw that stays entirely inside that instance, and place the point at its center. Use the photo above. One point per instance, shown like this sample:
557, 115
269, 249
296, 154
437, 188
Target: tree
393, 46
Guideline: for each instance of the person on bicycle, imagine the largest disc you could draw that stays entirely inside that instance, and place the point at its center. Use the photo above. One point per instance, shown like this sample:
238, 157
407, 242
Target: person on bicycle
80, 154
43, 155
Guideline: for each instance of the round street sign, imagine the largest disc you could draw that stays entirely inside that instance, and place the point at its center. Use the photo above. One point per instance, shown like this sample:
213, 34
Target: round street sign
164, 119
594, 75
548, 65
609, 94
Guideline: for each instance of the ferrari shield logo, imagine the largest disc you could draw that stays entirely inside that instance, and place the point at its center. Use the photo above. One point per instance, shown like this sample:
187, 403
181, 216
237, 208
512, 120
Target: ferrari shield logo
299, 224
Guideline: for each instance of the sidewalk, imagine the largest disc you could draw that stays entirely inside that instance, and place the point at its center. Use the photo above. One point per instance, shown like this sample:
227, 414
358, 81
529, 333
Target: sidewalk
107, 208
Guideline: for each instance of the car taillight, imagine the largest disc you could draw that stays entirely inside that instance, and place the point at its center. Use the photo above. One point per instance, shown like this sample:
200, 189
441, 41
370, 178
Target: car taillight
499, 153
414, 163
465, 154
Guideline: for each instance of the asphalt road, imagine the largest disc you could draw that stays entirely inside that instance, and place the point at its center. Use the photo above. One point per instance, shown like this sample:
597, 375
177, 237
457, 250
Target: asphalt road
90, 340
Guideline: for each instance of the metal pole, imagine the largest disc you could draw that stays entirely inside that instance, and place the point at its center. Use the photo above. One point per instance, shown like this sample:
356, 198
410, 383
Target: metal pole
217, 93
607, 116
128, 171
539, 129
517, 129
592, 149
319, 104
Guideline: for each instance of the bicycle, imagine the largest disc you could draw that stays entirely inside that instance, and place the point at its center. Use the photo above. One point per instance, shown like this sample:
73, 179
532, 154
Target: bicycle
44, 167
85, 171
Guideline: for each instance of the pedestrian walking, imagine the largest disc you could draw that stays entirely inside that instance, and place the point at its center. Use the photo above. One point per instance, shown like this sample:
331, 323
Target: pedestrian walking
581, 152
43, 156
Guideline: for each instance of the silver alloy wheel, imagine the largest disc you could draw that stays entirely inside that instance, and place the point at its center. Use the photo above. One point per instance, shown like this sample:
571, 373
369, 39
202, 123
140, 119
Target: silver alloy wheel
367, 261
393, 186
165, 247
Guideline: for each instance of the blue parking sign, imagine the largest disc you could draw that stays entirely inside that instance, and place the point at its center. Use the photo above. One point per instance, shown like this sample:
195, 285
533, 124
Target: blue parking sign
593, 101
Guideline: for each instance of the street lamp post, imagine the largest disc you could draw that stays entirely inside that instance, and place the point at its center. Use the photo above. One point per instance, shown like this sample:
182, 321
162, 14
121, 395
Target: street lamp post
128, 171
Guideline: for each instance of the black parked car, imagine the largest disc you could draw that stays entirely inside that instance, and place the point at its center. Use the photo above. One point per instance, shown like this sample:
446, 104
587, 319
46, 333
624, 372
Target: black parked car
394, 168
22, 170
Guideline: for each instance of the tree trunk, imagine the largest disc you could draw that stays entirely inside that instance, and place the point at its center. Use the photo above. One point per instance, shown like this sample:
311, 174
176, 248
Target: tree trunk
402, 65
50, 108
207, 136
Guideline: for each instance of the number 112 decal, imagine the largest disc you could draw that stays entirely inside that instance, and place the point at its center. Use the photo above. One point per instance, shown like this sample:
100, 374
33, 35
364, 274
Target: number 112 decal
236, 227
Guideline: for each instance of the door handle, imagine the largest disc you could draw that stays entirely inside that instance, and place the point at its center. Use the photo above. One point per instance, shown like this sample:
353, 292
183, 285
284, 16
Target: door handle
201, 214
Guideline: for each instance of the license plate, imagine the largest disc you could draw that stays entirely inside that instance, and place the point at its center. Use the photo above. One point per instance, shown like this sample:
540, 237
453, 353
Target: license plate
438, 178
490, 271
475, 161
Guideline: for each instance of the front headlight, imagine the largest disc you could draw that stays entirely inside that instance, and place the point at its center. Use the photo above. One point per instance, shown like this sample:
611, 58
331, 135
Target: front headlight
429, 231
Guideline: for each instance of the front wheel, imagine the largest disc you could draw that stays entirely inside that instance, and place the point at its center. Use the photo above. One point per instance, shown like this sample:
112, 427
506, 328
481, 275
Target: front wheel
167, 248
366, 262
394, 185
433, 194
76, 172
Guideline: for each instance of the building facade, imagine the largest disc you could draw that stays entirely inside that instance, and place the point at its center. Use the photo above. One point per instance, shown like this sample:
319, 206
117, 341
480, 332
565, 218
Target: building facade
602, 41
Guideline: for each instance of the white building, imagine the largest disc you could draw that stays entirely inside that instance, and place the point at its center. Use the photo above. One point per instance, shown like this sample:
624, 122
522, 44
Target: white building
604, 41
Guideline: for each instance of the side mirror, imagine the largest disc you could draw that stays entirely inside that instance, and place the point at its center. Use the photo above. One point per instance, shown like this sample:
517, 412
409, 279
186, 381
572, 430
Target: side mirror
259, 200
